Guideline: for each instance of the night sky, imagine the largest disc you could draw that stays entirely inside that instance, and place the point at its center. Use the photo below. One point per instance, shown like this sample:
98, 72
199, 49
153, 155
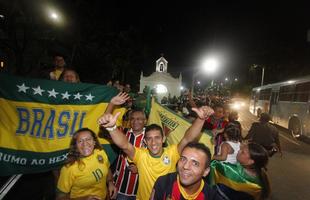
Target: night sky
240, 34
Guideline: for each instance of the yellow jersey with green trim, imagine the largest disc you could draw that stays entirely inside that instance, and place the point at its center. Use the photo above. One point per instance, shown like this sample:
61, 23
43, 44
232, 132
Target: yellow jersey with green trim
87, 177
55, 75
150, 168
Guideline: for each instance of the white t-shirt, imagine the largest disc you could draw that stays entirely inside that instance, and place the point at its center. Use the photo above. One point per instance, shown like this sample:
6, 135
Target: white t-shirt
231, 158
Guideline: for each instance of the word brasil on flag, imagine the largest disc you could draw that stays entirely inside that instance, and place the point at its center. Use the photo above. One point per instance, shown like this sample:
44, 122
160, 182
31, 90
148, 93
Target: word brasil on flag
38, 118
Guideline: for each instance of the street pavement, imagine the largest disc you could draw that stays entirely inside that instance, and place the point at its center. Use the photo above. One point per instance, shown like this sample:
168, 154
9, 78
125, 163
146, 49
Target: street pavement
290, 174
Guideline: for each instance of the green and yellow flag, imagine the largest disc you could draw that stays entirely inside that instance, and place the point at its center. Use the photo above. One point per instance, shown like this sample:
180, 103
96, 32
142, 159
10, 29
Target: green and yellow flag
174, 126
234, 177
38, 118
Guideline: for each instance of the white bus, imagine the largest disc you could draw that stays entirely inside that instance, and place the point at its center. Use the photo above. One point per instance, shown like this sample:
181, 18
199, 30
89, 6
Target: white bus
287, 102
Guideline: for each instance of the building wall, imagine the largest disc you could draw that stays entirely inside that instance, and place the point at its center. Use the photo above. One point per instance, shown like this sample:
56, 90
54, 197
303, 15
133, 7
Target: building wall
172, 87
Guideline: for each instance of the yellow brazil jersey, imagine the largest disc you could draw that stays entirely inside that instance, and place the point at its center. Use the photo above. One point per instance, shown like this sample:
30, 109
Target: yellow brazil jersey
87, 178
54, 75
150, 168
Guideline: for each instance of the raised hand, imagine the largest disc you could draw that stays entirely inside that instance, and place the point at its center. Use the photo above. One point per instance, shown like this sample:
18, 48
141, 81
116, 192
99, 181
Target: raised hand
203, 112
120, 98
133, 168
108, 120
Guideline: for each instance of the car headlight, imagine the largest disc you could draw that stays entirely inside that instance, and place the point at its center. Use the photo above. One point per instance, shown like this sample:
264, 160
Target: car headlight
236, 106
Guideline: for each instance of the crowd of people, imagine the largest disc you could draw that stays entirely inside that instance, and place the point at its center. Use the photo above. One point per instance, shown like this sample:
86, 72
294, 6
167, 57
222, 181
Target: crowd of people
146, 168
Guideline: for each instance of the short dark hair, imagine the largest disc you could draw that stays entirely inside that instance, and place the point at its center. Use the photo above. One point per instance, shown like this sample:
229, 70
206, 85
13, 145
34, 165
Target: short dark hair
233, 132
137, 110
154, 127
232, 115
59, 55
202, 147
264, 118
218, 105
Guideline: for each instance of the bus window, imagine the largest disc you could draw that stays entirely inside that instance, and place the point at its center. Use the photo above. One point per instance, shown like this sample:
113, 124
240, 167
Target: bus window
253, 95
265, 94
286, 93
302, 92
274, 98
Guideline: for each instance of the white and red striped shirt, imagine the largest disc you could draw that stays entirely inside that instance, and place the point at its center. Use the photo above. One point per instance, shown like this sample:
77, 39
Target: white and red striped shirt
126, 181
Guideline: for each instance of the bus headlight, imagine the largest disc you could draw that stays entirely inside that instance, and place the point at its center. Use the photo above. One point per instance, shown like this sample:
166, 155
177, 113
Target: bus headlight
237, 105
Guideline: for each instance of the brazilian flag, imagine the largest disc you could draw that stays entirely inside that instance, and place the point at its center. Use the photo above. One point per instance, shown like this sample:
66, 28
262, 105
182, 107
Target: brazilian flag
234, 177
174, 126
38, 118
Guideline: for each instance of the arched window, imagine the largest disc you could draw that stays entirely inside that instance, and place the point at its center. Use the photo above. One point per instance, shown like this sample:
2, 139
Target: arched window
161, 67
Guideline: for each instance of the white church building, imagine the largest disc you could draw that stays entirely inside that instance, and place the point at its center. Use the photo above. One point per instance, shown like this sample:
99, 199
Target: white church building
160, 80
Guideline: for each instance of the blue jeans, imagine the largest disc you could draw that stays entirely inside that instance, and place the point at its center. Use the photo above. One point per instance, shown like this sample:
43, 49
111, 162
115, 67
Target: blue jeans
125, 197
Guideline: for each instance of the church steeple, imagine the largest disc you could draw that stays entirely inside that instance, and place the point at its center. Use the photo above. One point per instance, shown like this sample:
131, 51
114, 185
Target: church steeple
161, 64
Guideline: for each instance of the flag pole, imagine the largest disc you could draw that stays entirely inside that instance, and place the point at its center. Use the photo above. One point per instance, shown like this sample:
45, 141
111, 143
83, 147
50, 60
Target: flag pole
8, 185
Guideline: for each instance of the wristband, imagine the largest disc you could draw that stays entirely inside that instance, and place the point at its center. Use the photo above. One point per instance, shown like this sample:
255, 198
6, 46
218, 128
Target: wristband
111, 128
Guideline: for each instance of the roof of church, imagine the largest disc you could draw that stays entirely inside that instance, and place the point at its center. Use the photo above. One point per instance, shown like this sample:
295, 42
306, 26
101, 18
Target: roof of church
161, 58
160, 76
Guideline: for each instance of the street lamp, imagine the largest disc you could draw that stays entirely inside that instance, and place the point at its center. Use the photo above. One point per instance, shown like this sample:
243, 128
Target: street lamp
54, 16
209, 66
263, 72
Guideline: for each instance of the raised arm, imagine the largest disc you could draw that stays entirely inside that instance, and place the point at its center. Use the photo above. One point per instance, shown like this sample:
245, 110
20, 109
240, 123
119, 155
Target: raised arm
191, 101
119, 99
194, 131
108, 121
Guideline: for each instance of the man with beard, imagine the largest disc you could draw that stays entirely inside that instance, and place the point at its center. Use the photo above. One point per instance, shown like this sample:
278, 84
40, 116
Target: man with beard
187, 182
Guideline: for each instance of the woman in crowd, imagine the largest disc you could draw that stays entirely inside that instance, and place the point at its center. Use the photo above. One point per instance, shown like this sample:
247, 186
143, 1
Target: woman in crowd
86, 174
69, 76
245, 180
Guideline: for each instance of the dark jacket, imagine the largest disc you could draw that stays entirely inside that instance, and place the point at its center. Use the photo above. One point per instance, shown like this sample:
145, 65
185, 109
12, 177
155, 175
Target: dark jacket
166, 187
264, 134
